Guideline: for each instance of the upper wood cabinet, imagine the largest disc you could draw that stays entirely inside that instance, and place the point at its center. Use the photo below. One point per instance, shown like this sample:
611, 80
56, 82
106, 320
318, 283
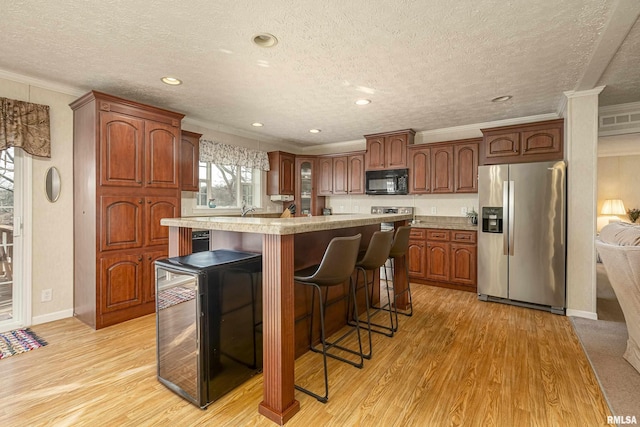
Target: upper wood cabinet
388, 150
534, 142
281, 176
465, 161
341, 174
189, 161
136, 152
444, 167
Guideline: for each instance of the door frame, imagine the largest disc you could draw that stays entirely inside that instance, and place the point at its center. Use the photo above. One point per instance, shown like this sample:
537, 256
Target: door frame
22, 249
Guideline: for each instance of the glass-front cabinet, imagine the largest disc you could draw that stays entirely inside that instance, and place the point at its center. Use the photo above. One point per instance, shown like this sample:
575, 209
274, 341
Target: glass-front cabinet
307, 200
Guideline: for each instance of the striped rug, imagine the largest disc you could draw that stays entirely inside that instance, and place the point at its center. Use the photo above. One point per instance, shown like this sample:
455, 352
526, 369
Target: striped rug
19, 341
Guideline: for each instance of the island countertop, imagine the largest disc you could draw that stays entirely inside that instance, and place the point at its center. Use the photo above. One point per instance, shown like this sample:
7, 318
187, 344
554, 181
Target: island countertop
282, 226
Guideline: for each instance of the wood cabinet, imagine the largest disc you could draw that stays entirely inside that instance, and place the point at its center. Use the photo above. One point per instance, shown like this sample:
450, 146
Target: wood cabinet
341, 174
281, 176
444, 167
388, 150
127, 177
446, 258
533, 142
307, 198
189, 161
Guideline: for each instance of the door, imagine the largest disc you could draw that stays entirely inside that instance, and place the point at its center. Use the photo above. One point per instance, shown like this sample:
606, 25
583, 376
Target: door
161, 155
537, 233
121, 222
442, 169
121, 150
325, 176
419, 171
356, 174
463, 264
120, 282
438, 261
340, 175
466, 168
156, 209
492, 247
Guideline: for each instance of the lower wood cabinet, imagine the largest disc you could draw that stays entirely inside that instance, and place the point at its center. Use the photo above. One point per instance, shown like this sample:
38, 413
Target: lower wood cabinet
446, 258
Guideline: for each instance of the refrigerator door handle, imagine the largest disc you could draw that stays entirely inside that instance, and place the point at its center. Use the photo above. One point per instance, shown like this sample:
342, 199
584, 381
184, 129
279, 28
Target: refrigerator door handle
505, 207
512, 217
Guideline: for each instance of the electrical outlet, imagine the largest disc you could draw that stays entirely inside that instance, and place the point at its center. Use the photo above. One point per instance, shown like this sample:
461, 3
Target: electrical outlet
46, 295
463, 211
434, 210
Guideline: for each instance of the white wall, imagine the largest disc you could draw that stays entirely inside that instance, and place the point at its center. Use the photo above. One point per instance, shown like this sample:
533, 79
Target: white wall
52, 238
618, 178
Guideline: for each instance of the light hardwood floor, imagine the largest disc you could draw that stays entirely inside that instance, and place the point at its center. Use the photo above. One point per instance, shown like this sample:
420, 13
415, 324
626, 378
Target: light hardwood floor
457, 361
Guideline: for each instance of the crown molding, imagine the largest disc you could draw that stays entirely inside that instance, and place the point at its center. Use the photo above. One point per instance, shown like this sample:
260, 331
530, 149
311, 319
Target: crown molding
581, 93
44, 84
619, 108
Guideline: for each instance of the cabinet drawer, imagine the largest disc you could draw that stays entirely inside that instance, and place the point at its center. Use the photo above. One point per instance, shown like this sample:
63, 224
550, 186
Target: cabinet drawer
417, 234
438, 235
463, 236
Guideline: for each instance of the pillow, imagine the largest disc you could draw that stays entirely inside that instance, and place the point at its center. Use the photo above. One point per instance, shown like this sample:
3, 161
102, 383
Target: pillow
621, 233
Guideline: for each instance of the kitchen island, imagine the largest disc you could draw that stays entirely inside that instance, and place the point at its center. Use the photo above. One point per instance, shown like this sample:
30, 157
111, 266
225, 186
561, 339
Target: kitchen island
286, 244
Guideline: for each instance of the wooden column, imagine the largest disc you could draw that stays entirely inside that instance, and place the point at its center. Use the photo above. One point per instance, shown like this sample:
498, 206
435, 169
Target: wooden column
279, 403
400, 278
180, 241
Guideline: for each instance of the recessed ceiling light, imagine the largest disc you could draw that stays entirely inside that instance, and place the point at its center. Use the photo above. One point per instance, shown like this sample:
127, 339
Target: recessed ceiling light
257, 124
171, 81
504, 98
265, 40
363, 101
315, 130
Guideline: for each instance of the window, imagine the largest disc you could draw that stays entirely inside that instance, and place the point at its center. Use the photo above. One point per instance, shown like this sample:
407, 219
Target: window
228, 186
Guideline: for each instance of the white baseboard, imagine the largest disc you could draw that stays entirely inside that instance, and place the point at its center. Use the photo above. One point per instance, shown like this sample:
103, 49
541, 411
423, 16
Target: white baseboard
45, 318
585, 314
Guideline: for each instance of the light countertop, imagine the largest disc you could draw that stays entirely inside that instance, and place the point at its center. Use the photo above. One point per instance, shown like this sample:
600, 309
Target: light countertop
282, 226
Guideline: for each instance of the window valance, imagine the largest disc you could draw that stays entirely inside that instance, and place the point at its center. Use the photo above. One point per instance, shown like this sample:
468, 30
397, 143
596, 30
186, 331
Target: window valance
225, 154
25, 125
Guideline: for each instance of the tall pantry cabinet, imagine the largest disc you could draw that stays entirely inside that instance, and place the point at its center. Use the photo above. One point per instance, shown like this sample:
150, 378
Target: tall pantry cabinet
126, 178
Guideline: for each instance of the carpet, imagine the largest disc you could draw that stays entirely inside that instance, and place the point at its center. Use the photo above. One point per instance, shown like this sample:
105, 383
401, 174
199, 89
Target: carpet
173, 296
604, 341
19, 341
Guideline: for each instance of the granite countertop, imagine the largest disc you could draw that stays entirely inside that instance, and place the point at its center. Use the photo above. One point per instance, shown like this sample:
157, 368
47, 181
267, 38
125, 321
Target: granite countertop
444, 223
282, 226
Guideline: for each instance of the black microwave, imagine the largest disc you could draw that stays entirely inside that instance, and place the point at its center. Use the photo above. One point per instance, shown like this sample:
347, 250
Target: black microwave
391, 181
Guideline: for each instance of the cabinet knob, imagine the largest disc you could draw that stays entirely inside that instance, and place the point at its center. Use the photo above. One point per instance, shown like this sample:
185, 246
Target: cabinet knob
149, 201
149, 258
140, 258
140, 201
139, 182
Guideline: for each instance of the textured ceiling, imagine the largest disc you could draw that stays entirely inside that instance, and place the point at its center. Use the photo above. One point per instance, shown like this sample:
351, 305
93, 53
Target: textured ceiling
425, 64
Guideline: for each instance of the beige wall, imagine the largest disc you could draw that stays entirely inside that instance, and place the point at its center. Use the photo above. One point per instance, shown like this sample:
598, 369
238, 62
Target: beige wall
618, 178
52, 223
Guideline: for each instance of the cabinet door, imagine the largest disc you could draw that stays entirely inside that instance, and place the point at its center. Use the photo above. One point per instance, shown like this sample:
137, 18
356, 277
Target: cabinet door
356, 174
543, 143
502, 145
438, 261
120, 282
374, 157
325, 176
417, 259
287, 174
189, 161
121, 150
466, 168
396, 151
442, 169
120, 222
463, 264
149, 280
340, 175
419, 171
156, 209
161, 155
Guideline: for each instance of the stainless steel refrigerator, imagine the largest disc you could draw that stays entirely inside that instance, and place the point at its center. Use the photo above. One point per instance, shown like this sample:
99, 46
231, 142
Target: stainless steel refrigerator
522, 234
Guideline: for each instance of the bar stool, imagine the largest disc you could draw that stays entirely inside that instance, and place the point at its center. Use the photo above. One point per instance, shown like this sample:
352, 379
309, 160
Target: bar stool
374, 258
336, 267
399, 249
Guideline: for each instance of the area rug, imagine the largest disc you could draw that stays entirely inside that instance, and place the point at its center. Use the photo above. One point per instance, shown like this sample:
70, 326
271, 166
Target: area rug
19, 341
173, 296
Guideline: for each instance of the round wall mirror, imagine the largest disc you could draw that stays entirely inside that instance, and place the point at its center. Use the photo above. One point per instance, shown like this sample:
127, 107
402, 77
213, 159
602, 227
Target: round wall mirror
52, 184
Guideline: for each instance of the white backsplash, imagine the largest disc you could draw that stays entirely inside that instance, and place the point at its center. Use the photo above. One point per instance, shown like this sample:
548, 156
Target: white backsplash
444, 204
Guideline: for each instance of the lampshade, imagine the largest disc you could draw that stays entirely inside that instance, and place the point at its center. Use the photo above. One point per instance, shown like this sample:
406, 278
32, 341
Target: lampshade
613, 207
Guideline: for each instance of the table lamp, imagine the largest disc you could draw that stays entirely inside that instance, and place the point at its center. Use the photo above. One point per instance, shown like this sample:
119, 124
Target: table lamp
613, 207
